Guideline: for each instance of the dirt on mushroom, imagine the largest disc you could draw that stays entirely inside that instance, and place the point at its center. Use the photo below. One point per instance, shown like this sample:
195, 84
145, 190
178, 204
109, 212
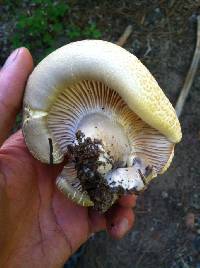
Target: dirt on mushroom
85, 154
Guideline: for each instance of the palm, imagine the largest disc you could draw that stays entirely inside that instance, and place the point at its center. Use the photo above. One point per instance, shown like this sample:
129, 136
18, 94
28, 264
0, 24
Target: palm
52, 223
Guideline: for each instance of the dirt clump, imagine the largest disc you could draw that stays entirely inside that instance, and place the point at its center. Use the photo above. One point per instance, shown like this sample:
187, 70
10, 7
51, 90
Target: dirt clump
86, 154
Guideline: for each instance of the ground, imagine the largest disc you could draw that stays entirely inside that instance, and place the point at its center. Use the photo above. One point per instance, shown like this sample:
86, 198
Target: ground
167, 229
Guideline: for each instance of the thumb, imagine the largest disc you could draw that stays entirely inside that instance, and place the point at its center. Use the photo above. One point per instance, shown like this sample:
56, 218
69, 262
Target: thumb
13, 77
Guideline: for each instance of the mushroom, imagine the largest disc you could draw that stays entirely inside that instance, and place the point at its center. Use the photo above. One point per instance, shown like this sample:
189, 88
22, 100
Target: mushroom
97, 104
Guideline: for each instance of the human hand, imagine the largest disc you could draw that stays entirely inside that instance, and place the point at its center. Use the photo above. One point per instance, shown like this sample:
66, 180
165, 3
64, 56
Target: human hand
39, 227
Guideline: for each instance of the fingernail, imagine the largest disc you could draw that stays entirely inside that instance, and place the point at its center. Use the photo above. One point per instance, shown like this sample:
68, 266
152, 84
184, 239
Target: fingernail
11, 58
123, 226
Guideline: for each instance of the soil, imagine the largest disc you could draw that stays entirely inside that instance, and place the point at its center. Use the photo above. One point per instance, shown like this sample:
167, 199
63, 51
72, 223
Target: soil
166, 233
86, 154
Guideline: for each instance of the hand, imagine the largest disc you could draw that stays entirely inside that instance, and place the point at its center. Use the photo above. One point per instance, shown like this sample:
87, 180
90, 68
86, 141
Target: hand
39, 227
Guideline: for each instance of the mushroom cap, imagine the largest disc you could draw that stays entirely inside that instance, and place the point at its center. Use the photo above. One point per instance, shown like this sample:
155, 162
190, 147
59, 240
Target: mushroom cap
100, 61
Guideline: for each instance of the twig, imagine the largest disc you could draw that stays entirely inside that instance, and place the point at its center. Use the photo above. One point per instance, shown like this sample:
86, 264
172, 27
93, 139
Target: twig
148, 47
190, 75
123, 38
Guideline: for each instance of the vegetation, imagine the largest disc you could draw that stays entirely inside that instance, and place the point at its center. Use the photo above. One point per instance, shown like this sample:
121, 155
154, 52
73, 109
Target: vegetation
44, 25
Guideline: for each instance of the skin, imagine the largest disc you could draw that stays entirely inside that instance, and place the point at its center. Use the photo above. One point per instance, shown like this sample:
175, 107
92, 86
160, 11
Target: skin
39, 227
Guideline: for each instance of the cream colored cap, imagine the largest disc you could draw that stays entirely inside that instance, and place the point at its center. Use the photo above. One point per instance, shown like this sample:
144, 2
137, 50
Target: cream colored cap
100, 61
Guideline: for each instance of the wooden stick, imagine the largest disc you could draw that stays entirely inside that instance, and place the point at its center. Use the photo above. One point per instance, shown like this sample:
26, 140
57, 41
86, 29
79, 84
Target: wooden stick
123, 38
190, 75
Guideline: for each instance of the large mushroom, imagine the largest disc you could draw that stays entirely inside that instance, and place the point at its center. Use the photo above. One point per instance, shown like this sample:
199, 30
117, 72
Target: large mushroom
97, 104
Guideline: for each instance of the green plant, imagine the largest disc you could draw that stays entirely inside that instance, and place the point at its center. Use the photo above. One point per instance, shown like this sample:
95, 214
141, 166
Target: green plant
42, 26
74, 32
37, 26
91, 31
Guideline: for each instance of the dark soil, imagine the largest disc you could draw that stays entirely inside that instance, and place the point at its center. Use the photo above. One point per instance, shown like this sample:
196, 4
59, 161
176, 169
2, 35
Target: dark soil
86, 154
167, 228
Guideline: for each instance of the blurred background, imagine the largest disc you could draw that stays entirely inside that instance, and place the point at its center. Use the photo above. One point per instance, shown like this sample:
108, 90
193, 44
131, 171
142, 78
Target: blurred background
167, 229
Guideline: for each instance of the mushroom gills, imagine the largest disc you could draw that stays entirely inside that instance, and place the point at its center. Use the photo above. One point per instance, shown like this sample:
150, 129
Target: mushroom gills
68, 183
130, 152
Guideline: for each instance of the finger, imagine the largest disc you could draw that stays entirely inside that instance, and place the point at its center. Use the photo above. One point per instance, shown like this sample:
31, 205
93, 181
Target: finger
97, 220
128, 201
15, 146
13, 77
119, 221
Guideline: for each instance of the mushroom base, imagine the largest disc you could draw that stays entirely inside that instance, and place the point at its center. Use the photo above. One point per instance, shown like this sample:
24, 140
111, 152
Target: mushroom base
85, 154
99, 191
